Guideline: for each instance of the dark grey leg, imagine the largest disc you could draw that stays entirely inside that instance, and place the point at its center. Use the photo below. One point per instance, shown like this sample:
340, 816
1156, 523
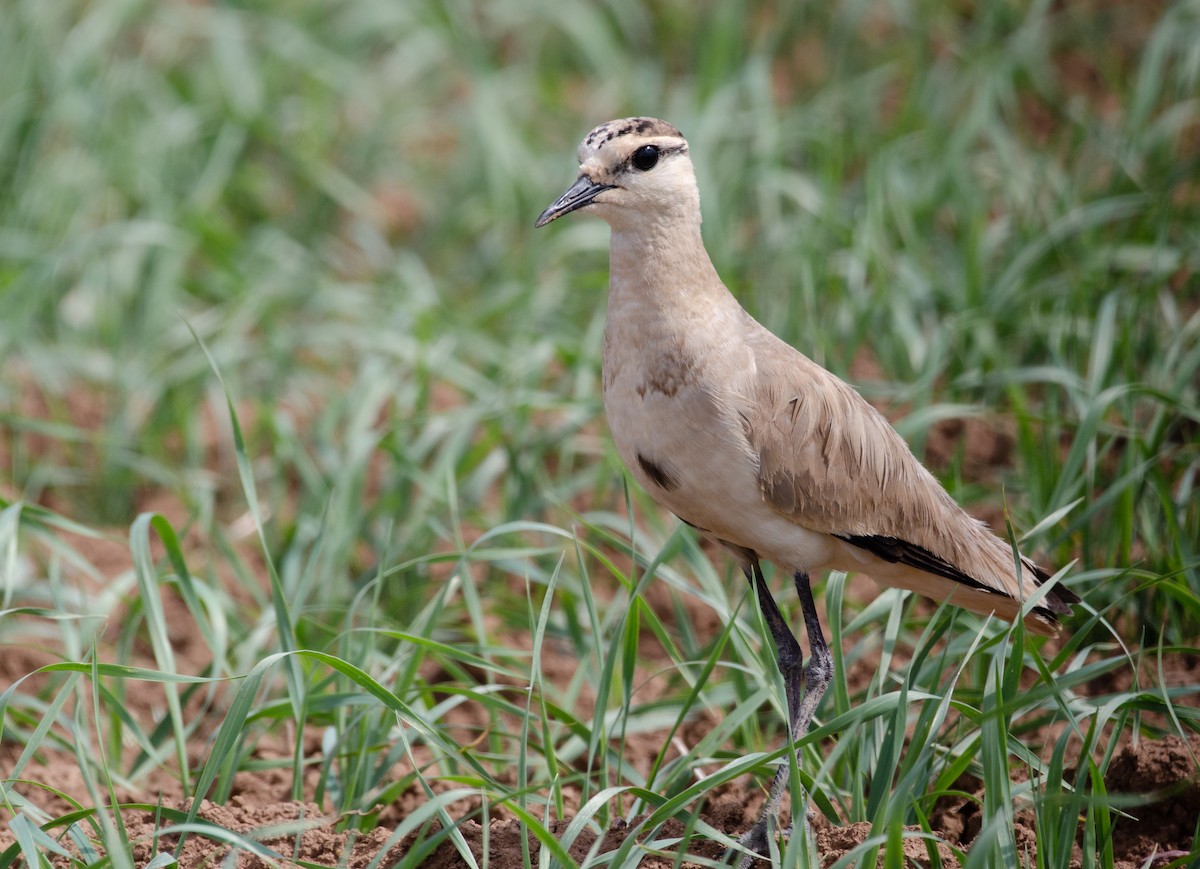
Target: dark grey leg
820, 663
815, 679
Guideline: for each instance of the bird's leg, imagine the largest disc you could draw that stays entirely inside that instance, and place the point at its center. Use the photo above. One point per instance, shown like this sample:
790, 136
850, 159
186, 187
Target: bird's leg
815, 680
819, 673
790, 660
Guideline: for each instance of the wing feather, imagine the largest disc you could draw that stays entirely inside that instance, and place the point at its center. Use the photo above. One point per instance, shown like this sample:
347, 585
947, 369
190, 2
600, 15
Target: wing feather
831, 462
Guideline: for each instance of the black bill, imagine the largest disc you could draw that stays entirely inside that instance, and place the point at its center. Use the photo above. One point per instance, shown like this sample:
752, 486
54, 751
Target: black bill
579, 194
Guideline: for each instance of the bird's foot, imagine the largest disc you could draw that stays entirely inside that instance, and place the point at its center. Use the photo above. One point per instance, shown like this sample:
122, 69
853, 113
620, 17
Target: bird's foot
755, 840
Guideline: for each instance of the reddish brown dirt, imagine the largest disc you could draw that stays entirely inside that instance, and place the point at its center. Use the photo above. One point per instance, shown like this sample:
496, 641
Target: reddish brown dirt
1163, 773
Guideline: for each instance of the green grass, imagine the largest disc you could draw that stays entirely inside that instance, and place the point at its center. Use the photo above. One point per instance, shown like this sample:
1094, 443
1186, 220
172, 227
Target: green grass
311, 223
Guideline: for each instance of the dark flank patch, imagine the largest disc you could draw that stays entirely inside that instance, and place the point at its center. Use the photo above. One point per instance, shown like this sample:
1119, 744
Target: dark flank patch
661, 474
898, 551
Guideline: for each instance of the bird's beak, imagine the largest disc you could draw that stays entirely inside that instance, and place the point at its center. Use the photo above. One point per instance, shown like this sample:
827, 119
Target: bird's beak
579, 194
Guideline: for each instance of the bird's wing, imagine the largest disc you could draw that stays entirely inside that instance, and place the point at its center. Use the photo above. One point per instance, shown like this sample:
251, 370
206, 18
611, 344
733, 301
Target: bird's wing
830, 462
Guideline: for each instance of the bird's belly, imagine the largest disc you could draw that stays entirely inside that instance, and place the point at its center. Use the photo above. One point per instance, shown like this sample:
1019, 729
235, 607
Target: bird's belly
694, 461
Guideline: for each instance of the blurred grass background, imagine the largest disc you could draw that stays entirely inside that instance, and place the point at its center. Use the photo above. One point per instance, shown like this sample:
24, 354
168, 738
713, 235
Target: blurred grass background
973, 210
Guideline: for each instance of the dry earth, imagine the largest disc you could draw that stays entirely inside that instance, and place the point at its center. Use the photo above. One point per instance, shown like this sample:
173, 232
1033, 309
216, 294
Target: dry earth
1163, 772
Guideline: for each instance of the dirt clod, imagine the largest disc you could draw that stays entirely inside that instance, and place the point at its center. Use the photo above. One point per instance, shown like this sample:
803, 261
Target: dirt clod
1166, 773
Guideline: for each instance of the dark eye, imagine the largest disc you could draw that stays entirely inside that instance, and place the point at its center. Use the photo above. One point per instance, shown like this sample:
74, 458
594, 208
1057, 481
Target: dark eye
645, 158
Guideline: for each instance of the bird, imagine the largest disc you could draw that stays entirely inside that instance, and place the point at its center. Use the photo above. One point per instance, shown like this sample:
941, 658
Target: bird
756, 446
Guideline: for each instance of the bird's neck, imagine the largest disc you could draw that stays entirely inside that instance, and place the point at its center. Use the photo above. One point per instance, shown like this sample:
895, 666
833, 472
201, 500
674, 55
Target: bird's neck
661, 270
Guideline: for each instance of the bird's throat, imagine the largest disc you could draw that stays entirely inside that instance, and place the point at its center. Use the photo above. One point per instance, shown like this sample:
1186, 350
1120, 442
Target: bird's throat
661, 264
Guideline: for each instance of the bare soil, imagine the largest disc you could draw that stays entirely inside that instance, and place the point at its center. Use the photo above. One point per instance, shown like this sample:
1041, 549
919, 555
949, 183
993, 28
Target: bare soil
1158, 826
1163, 773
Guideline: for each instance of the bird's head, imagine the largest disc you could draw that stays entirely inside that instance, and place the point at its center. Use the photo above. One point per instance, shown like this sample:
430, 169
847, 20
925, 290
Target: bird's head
630, 171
